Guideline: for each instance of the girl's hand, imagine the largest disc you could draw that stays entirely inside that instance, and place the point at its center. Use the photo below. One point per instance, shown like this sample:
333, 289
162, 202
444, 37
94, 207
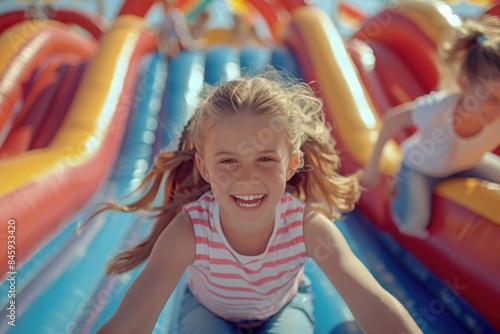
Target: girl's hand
375, 310
174, 250
396, 119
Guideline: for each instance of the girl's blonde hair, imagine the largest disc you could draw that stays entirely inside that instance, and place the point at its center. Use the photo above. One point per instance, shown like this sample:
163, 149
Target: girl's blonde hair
291, 106
473, 49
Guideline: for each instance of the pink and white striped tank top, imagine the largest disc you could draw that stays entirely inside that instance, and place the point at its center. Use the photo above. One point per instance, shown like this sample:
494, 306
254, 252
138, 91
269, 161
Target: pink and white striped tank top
238, 287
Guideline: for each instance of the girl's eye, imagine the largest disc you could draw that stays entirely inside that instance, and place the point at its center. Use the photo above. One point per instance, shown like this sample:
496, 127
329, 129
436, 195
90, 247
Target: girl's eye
227, 161
266, 159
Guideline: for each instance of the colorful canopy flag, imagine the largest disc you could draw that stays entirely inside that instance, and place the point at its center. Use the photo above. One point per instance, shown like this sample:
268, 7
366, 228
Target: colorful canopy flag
350, 15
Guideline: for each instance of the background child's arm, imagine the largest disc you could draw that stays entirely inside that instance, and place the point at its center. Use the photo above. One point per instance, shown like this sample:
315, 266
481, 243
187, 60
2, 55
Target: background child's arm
146, 297
375, 310
396, 119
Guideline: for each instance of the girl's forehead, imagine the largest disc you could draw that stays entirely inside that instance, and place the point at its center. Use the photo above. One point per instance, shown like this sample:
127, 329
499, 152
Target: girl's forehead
485, 86
246, 131
249, 121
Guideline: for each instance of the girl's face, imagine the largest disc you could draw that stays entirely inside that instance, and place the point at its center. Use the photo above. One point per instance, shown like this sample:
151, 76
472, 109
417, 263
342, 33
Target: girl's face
247, 162
482, 98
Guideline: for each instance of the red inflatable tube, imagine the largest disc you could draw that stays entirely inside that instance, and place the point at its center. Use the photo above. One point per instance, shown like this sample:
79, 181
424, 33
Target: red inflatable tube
136, 7
44, 76
495, 10
272, 11
59, 105
48, 41
36, 107
291, 5
393, 29
94, 23
390, 72
364, 59
383, 78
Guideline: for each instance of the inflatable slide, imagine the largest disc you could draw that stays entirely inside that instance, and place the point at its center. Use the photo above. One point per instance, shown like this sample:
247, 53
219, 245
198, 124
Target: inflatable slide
129, 103
465, 225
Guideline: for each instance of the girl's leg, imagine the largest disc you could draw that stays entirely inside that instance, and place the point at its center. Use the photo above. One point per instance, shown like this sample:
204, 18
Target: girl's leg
195, 318
296, 317
411, 206
487, 169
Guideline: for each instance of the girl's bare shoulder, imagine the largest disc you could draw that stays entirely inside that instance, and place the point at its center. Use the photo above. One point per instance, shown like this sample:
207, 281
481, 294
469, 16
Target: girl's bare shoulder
178, 237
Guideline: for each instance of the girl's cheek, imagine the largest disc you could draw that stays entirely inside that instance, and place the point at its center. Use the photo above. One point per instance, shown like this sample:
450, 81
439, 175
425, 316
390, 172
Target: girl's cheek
277, 173
220, 180
492, 114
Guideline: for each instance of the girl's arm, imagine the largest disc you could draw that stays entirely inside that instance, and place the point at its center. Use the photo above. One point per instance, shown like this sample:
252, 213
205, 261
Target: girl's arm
146, 297
396, 119
375, 310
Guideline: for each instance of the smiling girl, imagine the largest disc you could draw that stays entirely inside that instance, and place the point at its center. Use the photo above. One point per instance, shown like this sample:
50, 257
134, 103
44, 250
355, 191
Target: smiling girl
250, 195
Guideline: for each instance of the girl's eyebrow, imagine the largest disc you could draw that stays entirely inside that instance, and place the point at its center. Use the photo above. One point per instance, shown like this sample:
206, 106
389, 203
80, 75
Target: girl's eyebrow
223, 153
253, 151
268, 151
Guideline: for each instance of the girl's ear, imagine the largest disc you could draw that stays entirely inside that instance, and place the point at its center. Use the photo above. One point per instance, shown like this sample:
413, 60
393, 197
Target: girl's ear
200, 163
292, 166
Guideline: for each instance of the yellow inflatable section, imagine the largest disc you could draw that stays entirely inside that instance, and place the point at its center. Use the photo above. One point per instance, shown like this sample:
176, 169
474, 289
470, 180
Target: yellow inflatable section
89, 119
349, 107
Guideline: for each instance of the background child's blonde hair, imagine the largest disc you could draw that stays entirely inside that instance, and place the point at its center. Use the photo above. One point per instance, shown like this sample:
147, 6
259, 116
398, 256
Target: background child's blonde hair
292, 107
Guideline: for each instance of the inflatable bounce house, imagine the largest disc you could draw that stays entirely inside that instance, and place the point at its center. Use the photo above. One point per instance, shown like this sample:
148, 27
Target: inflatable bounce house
86, 103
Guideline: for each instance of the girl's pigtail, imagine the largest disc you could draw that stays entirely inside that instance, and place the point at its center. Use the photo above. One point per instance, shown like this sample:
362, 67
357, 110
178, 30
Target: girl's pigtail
183, 185
320, 184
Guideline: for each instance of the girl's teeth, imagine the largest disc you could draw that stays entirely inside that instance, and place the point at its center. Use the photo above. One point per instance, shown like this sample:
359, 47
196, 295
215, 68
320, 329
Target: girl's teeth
243, 200
249, 197
248, 205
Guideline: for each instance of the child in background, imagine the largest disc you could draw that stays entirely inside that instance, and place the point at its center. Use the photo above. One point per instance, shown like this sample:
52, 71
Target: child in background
199, 26
456, 131
244, 32
174, 34
37, 11
250, 194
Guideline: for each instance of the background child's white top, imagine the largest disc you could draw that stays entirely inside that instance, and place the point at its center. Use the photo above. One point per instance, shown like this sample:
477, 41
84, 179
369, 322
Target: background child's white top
435, 149
238, 287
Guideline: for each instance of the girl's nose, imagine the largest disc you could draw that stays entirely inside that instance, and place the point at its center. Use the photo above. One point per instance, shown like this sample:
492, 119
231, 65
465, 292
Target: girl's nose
247, 177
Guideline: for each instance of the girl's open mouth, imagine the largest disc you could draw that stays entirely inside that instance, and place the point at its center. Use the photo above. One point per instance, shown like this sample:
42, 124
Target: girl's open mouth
248, 201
